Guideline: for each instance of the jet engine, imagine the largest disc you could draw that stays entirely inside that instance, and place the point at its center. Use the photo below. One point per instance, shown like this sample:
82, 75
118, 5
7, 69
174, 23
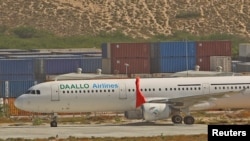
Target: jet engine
155, 111
150, 112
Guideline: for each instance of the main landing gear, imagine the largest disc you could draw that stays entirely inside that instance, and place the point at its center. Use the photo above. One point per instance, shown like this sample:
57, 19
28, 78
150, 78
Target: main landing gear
177, 119
53, 122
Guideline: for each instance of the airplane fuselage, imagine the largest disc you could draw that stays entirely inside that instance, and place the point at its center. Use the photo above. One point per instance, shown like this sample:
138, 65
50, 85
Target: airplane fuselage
120, 94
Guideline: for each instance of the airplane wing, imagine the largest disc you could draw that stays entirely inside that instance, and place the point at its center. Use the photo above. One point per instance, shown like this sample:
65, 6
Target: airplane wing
191, 100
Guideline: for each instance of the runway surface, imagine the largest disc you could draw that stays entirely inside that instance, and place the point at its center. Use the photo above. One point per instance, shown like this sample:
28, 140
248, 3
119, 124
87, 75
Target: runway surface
29, 131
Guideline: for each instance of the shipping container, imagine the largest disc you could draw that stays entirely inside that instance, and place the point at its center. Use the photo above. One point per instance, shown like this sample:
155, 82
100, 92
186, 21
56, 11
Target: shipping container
172, 64
213, 48
15, 88
106, 66
203, 62
222, 61
90, 65
6, 77
16, 66
130, 65
243, 67
106, 53
57, 65
244, 50
234, 65
130, 50
44, 56
171, 49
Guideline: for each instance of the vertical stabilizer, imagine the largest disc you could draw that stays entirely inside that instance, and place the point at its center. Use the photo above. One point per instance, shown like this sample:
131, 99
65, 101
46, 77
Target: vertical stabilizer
140, 99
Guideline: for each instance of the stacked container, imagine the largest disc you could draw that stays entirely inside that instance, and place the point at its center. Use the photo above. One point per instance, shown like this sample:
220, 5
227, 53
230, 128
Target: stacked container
16, 69
168, 57
208, 49
126, 58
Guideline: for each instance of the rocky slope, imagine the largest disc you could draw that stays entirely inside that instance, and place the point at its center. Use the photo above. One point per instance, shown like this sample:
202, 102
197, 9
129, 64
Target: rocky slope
137, 18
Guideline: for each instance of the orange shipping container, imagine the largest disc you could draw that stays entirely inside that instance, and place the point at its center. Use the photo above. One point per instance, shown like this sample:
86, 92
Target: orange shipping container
130, 50
213, 48
134, 65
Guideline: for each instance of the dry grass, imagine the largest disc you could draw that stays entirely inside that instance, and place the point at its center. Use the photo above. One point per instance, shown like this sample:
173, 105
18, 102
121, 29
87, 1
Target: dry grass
201, 137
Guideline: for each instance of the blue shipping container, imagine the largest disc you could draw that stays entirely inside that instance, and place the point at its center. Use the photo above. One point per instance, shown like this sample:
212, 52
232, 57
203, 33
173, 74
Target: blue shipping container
172, 64
6, 77
90, 65
60, 65
168, 49
14, 88
16, 66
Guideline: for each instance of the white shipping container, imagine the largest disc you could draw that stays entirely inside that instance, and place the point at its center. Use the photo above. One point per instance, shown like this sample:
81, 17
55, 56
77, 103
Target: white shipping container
221, 61
244, 50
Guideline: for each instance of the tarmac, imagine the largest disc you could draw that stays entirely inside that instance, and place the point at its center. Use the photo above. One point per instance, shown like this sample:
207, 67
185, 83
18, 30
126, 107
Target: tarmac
132, 129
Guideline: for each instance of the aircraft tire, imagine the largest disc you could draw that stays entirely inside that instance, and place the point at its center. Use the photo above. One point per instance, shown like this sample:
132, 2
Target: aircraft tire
53, 124
189, 120
177, 119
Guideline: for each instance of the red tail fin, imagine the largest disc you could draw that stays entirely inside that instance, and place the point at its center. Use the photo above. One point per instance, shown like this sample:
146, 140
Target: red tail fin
140, 99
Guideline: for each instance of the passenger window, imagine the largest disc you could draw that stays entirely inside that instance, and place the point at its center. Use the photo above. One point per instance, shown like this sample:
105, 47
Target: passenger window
37, 91
113, 90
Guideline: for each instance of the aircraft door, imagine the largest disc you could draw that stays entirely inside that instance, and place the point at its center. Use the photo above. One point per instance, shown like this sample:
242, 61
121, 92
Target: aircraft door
206, 88
55, 93
122, 91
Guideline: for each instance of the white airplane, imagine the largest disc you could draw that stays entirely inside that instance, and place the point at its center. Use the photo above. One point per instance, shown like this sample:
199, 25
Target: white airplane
148, 98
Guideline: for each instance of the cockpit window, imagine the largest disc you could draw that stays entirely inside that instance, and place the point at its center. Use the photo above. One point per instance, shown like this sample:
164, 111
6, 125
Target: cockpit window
33, 92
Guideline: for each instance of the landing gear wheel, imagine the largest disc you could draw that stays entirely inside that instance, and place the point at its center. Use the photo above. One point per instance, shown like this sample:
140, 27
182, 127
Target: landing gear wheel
189, 120
53, 124
177, 119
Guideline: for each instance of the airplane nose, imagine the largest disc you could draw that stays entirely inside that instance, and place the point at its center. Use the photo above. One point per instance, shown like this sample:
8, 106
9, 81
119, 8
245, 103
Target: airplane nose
19, 102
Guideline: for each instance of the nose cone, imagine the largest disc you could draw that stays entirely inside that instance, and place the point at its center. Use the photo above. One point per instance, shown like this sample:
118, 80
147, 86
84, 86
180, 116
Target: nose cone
19, 102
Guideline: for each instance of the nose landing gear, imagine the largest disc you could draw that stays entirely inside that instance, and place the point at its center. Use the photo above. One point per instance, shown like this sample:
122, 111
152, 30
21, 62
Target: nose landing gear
53, 122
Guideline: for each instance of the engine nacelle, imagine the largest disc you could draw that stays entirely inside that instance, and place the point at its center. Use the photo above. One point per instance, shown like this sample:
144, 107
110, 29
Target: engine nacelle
136, 114
155, 111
